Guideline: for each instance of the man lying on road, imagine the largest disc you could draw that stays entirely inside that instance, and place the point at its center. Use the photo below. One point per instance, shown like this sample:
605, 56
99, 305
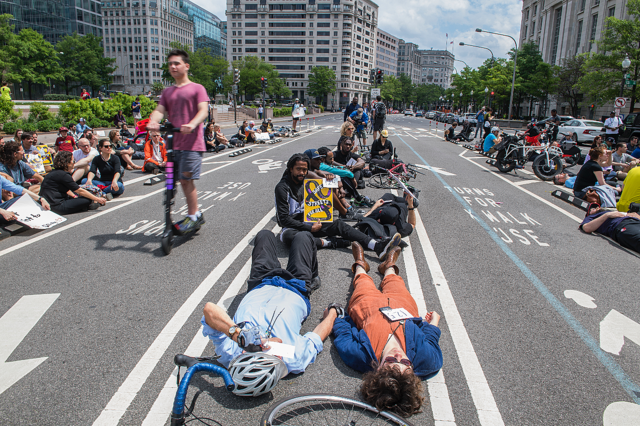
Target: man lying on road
624, 228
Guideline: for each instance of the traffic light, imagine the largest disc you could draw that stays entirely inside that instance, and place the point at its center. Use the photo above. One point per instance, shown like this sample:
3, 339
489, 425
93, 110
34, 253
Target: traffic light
263, 82
379, 77
492, 93
236, 76
592, 106
372, 76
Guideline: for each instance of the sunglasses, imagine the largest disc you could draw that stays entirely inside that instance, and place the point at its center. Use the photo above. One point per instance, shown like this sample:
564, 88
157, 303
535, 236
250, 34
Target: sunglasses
106, 146
393, 360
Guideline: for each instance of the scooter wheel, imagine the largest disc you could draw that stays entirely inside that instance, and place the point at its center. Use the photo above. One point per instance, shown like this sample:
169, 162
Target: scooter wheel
167, 242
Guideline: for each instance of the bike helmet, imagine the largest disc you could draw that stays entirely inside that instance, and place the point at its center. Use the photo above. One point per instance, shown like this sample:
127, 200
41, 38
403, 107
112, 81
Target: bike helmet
495, 129
256, 373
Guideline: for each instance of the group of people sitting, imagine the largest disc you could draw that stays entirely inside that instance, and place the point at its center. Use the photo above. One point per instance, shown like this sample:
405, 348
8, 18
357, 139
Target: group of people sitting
395, 355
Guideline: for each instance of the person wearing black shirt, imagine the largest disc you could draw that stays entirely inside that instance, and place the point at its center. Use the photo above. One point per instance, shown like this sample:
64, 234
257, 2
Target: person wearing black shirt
590, 173
555, 121
125, 133
451, 132
118, 119
289, 194
396, 211
624, 228
382, 148
106, 167
353, 106
59, 182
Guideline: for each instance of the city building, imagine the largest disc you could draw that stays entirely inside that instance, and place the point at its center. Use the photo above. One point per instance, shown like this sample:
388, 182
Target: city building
409, 61
207, 29
437, 67
55, 19
296, 37
137, 34
387, 52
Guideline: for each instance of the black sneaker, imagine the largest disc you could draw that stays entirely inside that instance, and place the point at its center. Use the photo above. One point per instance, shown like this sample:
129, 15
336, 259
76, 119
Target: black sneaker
337, 243
383, 247
313, 285
200, 221
94, 206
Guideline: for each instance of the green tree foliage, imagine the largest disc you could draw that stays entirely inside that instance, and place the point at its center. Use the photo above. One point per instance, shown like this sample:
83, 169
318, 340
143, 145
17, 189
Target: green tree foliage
568, 78
428, 94
534, 78
390, 89
252, 69
7, 50
157, 88
322, 81
603, 74
407, 89
204, 67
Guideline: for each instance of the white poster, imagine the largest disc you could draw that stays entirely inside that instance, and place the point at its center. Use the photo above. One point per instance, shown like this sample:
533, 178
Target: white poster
298, 113
29, 213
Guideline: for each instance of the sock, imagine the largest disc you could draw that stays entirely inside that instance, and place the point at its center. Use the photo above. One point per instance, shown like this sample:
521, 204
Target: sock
193, 217
325, 243
198, 214
372, 245
350, 208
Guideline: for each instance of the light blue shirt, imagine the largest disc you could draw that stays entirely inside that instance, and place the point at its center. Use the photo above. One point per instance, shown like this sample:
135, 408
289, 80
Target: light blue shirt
259, 307
489, 142
81, 128
10, 186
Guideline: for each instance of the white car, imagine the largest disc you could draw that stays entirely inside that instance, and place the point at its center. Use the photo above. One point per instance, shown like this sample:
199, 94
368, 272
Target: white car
583, 130
408, 112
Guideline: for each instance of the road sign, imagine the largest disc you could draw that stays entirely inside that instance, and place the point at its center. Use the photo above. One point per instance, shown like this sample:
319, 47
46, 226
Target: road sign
234, 88
375, 92
620, 102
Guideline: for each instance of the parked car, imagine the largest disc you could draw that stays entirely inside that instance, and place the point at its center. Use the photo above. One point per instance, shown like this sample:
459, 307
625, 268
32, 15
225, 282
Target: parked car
408, 112
471, 118
583, 130
431, 115
449, 118
632, 127
419, 114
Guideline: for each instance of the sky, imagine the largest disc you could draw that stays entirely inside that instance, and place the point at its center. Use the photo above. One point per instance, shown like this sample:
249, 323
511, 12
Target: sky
426, 23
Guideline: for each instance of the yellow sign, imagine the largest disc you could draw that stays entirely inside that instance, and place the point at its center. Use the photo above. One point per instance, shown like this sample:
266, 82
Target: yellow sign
318, 202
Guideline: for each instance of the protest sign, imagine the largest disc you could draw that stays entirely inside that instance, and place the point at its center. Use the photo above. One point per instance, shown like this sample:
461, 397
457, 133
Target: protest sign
318, 201
31, 214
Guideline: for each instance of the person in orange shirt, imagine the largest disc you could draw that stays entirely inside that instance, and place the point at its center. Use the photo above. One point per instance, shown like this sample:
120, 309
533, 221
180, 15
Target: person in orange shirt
155, 154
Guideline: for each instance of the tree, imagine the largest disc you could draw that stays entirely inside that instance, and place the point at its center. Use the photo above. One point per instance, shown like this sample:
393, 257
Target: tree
603, 74
568, 77
322, 81
204, 67
407, 89
101, 67
157, 88
390, 89
7, 53
35, 59
83, 62
252, 69
427, 94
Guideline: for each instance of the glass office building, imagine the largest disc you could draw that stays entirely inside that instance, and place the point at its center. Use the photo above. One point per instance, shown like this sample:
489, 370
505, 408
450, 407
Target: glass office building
207, 29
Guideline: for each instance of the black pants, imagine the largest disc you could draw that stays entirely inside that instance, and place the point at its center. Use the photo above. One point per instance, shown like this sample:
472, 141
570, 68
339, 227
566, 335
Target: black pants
337, 228
302, 264
627, 233
151, 167
350, 187
73, 205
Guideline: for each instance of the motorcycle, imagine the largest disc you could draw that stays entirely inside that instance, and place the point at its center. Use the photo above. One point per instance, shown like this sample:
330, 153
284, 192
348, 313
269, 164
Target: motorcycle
512, 153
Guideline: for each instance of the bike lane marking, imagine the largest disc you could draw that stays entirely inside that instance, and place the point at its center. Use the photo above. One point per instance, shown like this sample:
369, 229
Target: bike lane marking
126, 393
629, 386
55, 231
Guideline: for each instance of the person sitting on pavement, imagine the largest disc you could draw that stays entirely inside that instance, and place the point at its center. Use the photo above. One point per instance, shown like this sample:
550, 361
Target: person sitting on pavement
65, 142
360, 119
289, 194
623, 228
353, 162
210, 138
123, 151
630, 190
119, 120
394, 355
450, 133
59, 184
82, 157
15, 169
28, 144
327, 165
532, 135
347, 133
221, 140
7, 186
125, 133
250, 131
492, 139
382, 148
632, 145
107, 167
396, 211
621, 161
82, 126
273, 310
155, 154
591, 172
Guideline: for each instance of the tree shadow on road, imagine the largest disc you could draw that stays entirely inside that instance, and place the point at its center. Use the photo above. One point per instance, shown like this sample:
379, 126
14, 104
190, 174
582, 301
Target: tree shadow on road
138, 242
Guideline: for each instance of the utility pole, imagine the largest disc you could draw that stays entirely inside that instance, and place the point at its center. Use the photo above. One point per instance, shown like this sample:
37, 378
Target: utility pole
236, 81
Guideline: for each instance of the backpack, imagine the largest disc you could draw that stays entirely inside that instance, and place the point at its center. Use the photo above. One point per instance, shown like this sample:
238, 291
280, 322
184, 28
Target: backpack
381, 111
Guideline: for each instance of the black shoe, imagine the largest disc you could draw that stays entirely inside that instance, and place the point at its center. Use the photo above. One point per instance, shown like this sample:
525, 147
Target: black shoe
94, 206
200, 220
351, 215
313, 285
383, 247
337, 243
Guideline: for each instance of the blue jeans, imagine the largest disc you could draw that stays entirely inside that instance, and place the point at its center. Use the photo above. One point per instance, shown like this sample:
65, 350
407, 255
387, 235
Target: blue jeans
108, 189
478, 128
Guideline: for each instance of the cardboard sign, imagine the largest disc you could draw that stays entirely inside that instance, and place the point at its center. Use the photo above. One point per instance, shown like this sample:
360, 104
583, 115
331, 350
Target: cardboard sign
298, 113
318, 201
29, 213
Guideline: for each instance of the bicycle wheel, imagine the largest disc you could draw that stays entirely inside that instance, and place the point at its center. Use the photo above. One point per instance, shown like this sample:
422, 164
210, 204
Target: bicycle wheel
319, 410
383, 182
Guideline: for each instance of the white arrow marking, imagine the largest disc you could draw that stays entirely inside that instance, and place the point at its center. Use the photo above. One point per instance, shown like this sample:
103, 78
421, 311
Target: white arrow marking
614, 328
621, 414
579, 297
14, 327
435, 170
271, 166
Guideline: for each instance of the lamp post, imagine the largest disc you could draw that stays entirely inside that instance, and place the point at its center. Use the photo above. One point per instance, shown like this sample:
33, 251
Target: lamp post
486, 93
460, 102
480, 47
513, 79
625, 66
465, 64
471, 106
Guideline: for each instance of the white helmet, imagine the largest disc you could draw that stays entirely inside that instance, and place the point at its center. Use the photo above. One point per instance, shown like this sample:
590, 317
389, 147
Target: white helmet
495, 129
256, 373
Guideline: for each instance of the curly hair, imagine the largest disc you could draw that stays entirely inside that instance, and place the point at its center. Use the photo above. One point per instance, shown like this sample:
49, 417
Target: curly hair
62, 160
389, 389
7, 151
595, 153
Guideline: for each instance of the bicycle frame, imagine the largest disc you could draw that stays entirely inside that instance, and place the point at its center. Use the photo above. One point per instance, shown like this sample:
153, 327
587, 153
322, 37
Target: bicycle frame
526, 149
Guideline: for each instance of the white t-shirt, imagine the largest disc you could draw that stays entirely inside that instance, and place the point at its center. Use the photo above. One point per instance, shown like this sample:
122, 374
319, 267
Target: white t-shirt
612, 122
79, 155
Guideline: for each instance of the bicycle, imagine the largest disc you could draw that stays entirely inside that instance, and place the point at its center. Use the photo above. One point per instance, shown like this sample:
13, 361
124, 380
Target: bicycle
304, 409
399, 174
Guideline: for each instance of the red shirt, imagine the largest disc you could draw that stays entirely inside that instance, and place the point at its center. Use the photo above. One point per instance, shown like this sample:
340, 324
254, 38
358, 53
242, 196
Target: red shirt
66, 144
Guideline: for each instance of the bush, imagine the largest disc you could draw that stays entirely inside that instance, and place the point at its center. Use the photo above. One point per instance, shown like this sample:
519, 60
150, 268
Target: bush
39, 112
11, 127
321, 108
7, 112
59, 97
282, 112
96, 122
48, 125
93, 109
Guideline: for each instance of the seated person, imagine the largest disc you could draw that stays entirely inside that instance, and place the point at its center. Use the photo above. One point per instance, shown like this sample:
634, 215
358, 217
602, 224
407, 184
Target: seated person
210, 138
82, 127
123, 151
155, 154
64, 142
532, 135
396, 211
276, 304
327, 164
591, 172
221, 141
360, 119
16, 170
382, 148
82, 157
10, 187
491, 140
107, 165
63, 193
621, 161
394, 355
353, 162
632, 145
450, 133
630, 190
623, 228
289, 194
241, 135
119, 120
28, 143
125, 133
252, 131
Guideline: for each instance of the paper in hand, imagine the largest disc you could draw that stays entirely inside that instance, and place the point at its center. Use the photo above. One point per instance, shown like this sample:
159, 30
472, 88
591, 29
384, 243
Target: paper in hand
331, 183
281, 349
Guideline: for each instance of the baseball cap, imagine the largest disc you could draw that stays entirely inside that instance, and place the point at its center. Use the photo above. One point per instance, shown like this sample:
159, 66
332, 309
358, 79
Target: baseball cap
384, 133
63, 129
360, 109
268, 119
313, 153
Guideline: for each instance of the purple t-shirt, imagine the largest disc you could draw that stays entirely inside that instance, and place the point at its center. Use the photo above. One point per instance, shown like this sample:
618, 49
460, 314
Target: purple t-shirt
608, 226
181, 104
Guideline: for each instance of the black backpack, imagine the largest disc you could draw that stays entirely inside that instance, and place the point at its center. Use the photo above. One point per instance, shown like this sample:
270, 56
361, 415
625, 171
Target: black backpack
381, 111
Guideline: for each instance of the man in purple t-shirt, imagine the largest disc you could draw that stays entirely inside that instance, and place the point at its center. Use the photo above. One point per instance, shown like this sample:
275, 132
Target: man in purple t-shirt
185, 105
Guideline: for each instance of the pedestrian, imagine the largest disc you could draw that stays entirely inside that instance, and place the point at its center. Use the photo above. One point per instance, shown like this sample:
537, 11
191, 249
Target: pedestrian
480, 124
353, 106
612, 126
260, 111
5, 92
295, 114
135, 108
185, 105
85, 95
379, 115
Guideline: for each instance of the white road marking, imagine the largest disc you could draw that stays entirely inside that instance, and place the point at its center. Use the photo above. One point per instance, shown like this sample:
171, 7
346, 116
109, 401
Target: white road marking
483, 399
409, 134
123, 398
438, 170
423, 130
15, 324
163, 405
614, 328
580, 298
526, 182
621, 413
391, 128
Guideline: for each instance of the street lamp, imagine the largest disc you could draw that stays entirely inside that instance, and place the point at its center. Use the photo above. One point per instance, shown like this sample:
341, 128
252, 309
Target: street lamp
465, 64
480, 47
515, 58
486, 93
471, 106
625, 66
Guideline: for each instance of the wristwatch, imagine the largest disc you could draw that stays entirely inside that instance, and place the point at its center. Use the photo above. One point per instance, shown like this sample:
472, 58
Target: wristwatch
39, 199
233, 330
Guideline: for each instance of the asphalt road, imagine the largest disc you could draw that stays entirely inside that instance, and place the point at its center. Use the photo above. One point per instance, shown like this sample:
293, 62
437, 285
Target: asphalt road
539, 320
